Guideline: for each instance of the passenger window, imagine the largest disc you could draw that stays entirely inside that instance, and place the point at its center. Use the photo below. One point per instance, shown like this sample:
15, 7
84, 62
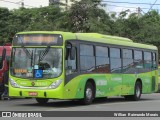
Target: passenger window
102, 60
127, 60
115, 58
147, 61
87, 58
138, 61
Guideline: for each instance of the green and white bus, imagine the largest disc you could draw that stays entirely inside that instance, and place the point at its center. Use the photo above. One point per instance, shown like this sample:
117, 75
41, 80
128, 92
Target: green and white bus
63, 65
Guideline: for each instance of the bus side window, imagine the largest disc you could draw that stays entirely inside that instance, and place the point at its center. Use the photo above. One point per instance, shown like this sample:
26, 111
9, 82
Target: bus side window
138, 59
71, 65
147, 61
115, 60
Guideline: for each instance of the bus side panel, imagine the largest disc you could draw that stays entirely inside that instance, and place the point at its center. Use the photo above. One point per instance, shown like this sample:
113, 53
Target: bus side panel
128, 84
109, 84
74, 88
149, 82
146, 82
115, 85
155, 73
106, 85
148, 85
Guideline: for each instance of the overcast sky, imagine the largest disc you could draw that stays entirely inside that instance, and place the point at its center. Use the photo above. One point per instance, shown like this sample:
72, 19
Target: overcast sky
33, 3
111, 7
118, 7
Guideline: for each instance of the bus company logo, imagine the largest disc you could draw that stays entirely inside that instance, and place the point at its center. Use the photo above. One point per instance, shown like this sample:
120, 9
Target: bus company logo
33, 83
6, 114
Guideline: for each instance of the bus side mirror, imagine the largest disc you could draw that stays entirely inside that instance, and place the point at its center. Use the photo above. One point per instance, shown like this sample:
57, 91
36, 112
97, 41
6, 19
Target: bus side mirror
68, 47
67, 54
72, 53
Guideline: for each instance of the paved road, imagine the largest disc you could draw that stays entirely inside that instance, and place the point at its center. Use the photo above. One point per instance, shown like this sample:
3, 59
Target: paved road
148, 102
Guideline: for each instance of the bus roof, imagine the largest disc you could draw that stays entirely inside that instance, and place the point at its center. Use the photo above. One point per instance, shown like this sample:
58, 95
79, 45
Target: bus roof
95, 37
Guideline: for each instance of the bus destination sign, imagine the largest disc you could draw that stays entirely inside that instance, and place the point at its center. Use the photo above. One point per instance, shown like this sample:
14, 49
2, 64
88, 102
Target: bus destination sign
37, 39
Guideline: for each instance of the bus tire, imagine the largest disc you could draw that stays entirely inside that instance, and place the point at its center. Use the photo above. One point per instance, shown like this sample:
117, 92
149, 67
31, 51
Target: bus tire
88, 94
137, 92
42, 101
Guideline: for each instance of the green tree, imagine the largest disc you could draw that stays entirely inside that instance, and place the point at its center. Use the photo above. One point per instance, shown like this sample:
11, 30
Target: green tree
4, 15
87, 16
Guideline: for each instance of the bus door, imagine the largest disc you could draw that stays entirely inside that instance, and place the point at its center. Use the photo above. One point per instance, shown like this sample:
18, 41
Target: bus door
71, 70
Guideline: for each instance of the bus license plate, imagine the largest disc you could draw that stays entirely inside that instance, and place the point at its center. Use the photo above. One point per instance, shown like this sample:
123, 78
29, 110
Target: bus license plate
33, 93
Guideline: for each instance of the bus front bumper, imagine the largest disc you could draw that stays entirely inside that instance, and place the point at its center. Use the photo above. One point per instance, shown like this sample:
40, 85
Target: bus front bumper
36, 93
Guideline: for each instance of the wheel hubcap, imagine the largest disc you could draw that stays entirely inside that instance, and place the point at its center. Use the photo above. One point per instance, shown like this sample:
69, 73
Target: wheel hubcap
88, 93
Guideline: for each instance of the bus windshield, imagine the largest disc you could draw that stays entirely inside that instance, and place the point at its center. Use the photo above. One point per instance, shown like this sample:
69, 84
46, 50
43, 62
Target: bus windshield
48, 61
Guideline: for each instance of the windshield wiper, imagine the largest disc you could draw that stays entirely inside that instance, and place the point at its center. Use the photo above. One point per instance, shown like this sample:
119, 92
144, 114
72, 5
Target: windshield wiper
41, 57
25, 50
30, 55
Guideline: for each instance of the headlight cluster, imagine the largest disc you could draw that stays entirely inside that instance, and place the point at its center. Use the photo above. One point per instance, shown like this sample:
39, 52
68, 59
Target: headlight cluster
55, 84
13, 83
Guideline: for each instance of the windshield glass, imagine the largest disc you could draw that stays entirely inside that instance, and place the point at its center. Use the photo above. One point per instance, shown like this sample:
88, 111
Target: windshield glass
36, 62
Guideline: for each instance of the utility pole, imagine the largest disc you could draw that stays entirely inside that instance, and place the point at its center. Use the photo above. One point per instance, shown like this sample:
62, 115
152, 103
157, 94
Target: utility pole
22, 4
139, 12
66, 4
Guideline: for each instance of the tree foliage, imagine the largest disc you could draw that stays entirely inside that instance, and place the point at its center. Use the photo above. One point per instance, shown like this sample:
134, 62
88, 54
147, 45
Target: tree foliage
83, 16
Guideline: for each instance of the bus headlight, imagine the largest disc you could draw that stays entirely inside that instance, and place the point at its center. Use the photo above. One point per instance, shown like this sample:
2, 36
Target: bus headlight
55, 84
13, 83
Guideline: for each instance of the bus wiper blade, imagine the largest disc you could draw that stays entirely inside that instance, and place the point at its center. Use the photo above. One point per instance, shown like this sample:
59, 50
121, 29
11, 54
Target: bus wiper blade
27, 52
44, 53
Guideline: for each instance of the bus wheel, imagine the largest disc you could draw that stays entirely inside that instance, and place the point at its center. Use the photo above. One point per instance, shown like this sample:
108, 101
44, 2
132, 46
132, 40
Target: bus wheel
137, 92
88, 94
42, 101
